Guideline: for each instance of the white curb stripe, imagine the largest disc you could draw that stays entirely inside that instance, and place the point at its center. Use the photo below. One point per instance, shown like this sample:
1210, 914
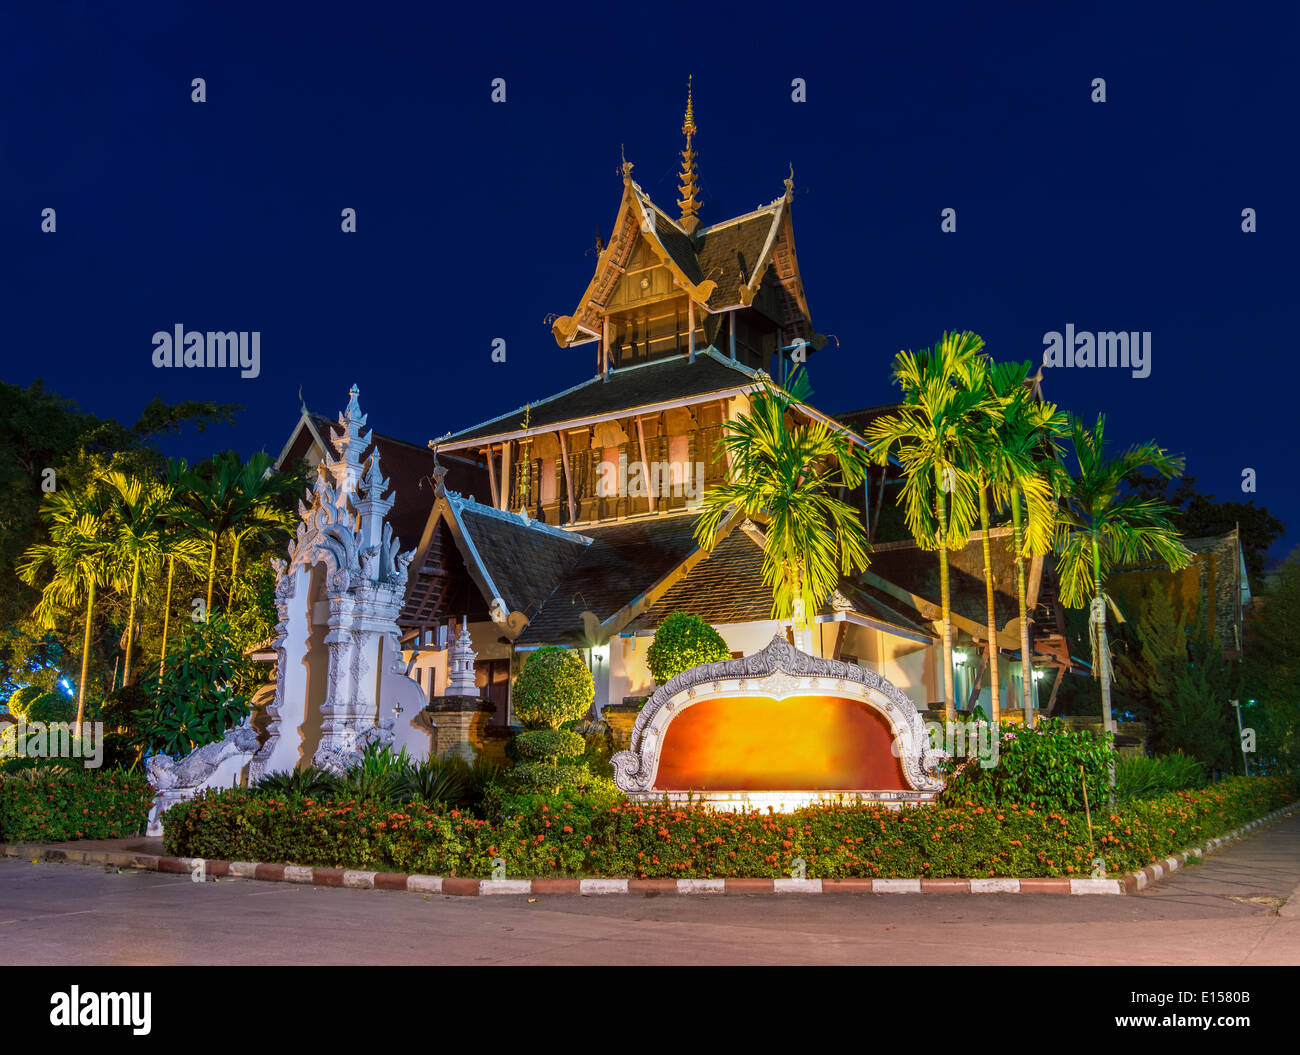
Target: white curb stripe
602, 886
701, 886
797, 886
995, 886
895, 886
505, 886
1096, 886
424, 884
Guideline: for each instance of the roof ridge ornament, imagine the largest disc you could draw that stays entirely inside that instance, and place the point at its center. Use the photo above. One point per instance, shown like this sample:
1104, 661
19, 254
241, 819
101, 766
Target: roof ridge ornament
689, 187
627, 168
789, 183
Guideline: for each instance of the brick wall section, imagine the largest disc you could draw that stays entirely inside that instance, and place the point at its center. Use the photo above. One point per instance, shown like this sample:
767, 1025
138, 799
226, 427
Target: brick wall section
620, 717
461, 725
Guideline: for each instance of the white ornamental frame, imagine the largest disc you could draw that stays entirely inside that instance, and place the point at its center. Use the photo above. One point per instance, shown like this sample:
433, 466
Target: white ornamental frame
779, 671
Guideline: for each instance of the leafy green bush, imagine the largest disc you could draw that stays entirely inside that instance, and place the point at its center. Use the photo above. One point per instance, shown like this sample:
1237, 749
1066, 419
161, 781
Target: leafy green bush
596, 832
1044, 766
683, 641
381, 775
308, 783
54, 803
554, 687
1145, 777
200, 695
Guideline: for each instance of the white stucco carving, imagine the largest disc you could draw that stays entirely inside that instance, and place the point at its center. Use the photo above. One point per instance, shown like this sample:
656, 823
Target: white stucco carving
216, 765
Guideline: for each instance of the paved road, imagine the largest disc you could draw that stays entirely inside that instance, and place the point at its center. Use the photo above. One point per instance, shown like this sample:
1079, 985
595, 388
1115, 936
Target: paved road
1241, 907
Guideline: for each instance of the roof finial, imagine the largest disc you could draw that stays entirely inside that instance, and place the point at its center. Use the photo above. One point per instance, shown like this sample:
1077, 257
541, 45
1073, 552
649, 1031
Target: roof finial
789, 183
689, 203
627, 165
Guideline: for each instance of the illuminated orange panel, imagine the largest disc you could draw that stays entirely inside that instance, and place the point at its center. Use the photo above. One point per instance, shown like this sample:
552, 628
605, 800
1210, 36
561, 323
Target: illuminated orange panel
807, 743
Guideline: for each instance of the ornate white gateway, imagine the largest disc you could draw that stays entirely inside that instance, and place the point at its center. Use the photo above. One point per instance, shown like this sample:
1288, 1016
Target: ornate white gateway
780, 728
341, 680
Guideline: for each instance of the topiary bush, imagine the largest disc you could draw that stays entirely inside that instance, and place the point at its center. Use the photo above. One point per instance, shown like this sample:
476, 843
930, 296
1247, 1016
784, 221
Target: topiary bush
554, 687
50, 707
22, 698
548, 745
681, 642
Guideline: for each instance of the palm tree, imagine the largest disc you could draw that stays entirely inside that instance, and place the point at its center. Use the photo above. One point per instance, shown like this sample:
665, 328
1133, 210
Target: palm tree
73, 565
1024, 473
141, 508
1099, 527
784, 474
940, 433
178, 543
235, 500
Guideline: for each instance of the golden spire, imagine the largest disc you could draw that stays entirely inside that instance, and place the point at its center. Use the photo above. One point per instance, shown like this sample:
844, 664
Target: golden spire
689, 203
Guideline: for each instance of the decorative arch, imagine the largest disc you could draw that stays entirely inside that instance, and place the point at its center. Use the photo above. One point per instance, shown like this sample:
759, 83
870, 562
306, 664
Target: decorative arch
751, 689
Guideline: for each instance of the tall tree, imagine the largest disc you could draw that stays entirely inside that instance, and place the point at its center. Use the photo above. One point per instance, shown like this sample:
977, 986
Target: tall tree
1101, 525
1024, 474
938, 433
75, 562
232, 500
784, 474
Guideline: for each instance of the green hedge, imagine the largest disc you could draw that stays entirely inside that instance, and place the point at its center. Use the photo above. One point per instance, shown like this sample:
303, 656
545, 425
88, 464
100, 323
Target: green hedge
572, 835
52, 804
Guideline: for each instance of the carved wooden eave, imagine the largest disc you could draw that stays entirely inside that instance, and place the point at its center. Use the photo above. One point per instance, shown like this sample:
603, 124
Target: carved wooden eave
638, 220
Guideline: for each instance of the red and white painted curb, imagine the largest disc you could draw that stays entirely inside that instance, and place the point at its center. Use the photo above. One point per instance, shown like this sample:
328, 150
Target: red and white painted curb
1132, 883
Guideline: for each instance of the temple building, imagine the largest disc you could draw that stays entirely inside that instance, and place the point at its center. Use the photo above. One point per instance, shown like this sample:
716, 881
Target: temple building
570, 521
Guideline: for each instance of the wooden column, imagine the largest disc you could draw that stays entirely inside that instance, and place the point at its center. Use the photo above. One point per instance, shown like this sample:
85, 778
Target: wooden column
492, 478
505, 476
568, 480
645, 468
690, 325
604, 346
732, 335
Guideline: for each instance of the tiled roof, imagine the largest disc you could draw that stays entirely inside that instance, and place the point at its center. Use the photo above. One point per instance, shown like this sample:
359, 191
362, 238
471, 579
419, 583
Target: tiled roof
524, 559
727, 587
662, 381
624, 560
917, 572
731, 253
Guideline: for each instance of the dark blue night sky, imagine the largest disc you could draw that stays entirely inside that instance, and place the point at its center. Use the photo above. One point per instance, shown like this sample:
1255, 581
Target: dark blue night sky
476, 219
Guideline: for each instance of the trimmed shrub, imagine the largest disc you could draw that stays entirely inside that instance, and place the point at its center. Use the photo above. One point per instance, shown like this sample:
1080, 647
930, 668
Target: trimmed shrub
36, 705
54, 803
592, 832
22, 698
681, 642
554, 687
548, 745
